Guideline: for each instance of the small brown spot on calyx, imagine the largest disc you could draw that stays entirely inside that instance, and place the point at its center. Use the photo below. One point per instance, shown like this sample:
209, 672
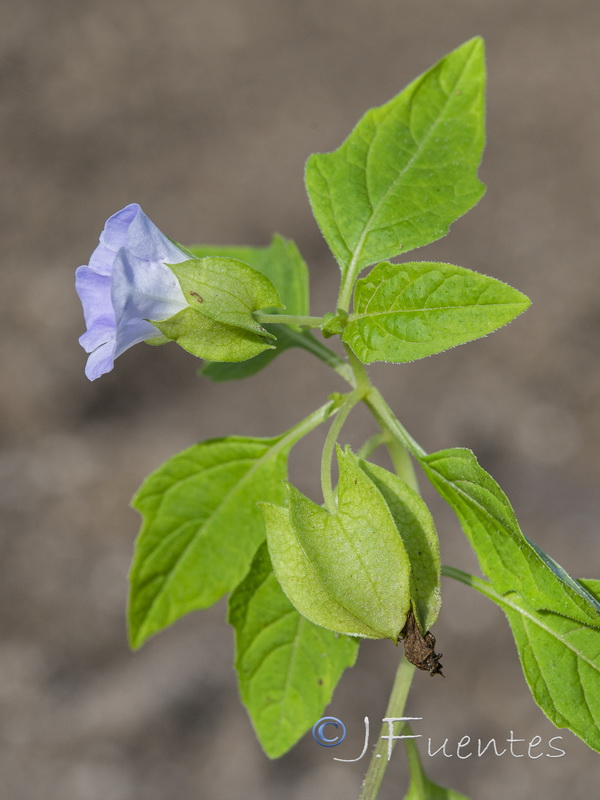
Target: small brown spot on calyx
419, 649
197, 296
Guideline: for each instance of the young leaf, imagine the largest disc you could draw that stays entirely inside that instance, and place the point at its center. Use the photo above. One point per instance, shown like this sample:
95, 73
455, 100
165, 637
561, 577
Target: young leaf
560, 659
506, 556
417, 530
201, 527
407, 170
348, 570
287, 667
283, 264
407, 311
428, 790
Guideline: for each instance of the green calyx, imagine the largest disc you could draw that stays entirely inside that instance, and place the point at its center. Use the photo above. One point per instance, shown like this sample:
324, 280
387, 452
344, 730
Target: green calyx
350, 570
222, 295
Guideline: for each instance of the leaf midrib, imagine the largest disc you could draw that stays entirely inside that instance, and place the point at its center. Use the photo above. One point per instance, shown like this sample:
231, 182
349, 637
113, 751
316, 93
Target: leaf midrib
504, 600
355, 317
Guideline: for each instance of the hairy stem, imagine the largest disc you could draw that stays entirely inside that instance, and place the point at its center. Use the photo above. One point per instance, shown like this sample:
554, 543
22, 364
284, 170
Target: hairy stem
361, 376
372, 443
327, 486
308, 424
403, 463
308, 342
387, 419
395, 708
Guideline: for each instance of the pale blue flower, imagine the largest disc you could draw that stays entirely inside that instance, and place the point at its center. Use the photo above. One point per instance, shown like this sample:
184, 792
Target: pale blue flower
126, 284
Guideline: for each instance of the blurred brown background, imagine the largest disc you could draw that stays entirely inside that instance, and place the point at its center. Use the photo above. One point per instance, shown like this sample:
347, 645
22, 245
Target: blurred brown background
204, 113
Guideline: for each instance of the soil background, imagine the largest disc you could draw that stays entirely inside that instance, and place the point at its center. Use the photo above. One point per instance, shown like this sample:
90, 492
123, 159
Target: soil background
204, 113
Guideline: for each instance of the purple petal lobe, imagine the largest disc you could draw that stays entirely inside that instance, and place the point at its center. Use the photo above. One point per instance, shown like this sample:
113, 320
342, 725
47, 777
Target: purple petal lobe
132, 332
94, 292
102, 332
101, 260
116, 229
100, 361
146, 242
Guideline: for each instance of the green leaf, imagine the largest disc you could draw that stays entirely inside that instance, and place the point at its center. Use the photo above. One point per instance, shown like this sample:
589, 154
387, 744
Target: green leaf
506, 556
201, 526
561, 663
209, 339
226, 290
428, 790
407, 311
287, 667
281, 262
560, 659
408, 169
417, 530
347, 571
421, 788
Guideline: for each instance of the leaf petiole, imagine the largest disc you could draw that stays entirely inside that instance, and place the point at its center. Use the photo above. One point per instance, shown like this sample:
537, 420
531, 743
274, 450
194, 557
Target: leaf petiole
307, 341
470, 580
288, 319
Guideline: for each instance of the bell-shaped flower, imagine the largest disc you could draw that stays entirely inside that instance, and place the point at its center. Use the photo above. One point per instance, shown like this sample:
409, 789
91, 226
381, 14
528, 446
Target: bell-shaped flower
126, 284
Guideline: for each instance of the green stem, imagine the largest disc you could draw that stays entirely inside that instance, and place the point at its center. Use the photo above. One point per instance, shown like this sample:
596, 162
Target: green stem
289, 319
387, 419
363, 386
483, 587
361, 376
308, 342
399, 441
395, 708
343, 302
372, 443
308, 424
328, 494
402, 463
350, 275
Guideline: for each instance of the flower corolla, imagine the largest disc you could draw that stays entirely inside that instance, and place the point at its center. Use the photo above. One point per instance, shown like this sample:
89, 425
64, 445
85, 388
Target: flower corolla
126, 284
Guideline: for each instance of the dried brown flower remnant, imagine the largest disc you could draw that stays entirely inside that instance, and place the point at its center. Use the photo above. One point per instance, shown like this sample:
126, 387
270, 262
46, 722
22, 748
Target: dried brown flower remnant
419, 649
